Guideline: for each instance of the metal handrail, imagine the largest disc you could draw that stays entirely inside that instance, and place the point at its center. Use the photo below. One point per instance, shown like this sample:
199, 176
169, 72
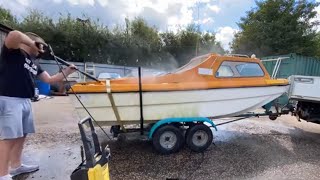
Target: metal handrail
276, 67
237, 55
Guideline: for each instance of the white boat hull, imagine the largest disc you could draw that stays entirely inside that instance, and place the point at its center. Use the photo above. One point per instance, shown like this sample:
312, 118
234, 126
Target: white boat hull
214, 103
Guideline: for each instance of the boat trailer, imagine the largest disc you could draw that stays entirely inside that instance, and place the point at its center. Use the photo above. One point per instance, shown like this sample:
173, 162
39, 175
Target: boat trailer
171, 134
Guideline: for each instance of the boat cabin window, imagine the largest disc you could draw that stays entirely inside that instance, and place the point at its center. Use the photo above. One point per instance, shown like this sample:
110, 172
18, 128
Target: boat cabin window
224, 71
249, 69
239, 69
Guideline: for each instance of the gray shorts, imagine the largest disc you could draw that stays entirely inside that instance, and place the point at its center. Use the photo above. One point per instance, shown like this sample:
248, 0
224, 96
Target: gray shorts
16, 118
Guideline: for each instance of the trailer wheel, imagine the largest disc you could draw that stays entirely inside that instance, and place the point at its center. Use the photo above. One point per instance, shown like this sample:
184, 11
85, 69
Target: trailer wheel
199, 137
273, 117
167, 139
188, 130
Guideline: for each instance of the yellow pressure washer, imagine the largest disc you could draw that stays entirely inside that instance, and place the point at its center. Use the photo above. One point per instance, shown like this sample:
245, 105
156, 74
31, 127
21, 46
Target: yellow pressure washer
95, 165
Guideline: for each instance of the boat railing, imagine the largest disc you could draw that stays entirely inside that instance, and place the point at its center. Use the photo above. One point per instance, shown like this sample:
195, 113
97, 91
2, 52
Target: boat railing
237, 55
277, 65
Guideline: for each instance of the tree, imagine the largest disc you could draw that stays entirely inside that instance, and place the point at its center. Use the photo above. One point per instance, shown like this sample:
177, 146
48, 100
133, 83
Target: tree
318, 44
71, 38
208, 44
278, 27
137, 44
145, 43
7, 18
188, 43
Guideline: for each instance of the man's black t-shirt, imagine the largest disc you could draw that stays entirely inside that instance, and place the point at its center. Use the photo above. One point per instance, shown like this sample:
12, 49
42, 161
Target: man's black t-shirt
17, 73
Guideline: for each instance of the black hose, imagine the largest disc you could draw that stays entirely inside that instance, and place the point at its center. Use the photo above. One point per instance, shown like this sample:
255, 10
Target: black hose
60, 67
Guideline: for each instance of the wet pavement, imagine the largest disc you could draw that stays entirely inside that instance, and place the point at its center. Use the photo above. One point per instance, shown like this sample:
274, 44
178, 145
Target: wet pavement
249, 149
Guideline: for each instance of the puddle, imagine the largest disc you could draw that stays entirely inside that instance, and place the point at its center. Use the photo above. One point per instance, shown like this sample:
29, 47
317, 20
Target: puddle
56, 161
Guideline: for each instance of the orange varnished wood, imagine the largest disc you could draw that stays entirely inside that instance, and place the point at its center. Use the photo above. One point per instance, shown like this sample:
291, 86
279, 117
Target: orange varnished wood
186, 80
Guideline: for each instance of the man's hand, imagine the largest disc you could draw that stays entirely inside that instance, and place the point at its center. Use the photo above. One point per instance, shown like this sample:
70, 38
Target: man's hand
36, 46
71, 69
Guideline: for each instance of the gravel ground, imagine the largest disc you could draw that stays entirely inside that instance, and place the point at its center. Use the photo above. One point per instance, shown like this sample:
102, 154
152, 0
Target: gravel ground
249, 149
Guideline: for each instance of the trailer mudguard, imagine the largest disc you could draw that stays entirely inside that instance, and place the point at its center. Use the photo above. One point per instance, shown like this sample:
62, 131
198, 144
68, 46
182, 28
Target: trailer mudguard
179, 120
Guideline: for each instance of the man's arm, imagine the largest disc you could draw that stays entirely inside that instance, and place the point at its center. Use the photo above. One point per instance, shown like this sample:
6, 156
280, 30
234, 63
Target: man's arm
15, 38
45, 76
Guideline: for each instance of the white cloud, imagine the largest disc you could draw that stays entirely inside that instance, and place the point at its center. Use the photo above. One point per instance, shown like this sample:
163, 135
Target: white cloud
225, 35
158, 5
207, 20
81, 2
58, 1
164, 14
17, 7
203, 1
214, 8
24, 2
317, 18
186, 15
103, 2
176, 13
173, 23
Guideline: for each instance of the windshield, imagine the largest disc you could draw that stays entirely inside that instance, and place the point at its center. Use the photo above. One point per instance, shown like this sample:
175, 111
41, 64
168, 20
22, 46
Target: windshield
108, 75
192, 63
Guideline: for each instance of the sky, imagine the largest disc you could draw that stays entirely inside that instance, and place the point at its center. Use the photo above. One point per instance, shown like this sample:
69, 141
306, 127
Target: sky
216, 16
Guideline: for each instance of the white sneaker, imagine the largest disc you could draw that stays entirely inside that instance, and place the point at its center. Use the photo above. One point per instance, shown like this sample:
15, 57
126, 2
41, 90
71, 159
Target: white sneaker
23, 169
6, 177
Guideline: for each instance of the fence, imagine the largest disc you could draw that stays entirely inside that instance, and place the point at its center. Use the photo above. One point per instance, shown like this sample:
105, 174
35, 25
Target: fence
294, 64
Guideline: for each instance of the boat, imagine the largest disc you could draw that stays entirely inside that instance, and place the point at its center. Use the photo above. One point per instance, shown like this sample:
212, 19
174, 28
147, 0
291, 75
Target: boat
210, 85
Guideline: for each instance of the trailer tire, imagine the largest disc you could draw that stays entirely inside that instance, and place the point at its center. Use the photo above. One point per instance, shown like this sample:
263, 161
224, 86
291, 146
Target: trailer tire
188, 130
199, 137
273, 117
168, 139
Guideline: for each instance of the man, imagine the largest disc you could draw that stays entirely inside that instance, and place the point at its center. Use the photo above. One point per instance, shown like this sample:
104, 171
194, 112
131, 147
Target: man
17, 87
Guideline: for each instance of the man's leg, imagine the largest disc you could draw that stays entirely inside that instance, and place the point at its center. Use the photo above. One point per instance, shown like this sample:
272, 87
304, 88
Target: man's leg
16, 152
10, 130
27, 127
5, 148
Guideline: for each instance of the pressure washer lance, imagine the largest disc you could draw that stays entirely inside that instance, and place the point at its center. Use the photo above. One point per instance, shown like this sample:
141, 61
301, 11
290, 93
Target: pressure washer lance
57, 59
68, 64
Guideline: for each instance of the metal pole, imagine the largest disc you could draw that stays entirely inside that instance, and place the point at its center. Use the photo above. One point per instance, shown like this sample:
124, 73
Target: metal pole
266, 60
275, 68
197, 43
68, 64
58, 59
276, 72
277, 65
141, 102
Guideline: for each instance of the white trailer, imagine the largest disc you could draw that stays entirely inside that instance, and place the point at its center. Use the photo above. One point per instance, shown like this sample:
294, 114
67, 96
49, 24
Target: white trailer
303, 94
304, 91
